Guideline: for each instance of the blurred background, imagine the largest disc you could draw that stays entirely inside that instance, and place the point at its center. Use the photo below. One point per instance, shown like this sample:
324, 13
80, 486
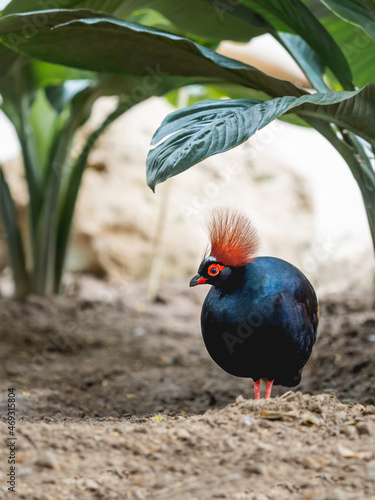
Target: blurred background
121, 346
294, 185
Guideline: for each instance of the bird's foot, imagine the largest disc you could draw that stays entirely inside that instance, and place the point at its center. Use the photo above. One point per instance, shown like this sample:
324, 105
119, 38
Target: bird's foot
269, 384
257, 389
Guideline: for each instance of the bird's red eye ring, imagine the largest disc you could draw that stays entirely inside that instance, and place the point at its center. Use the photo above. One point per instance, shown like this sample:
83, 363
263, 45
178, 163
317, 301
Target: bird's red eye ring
214, 269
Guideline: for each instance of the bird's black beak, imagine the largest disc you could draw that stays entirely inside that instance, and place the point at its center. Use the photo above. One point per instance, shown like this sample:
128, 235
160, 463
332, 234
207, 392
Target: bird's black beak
197, 280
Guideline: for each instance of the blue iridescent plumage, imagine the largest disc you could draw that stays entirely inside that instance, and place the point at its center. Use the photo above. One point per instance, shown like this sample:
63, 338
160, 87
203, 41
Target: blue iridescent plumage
262, 322
260, 318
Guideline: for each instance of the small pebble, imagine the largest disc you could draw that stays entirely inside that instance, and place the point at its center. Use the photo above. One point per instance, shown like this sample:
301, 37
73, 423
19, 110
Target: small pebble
47, 460
349, 431
260, 496
91, 485
183, 434
248, 421
254, 469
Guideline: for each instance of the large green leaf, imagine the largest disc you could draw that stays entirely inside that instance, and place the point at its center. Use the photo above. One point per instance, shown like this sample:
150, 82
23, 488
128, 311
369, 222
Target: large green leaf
210, 127
317, 8
47, 74
310, 63
21, 6
61, 95
8, 59
358, 48
358, 12
45, 241
195, 16
44, 124
114, 46
295, 15
197, 93
19, 93
358, 160
13, 239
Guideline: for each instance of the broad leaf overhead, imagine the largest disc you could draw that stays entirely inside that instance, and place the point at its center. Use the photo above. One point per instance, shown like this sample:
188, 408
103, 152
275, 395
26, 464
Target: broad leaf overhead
210, 127
212, 22
74, 38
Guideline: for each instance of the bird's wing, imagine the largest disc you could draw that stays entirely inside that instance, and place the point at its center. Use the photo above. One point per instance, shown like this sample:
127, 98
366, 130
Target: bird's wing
306, 298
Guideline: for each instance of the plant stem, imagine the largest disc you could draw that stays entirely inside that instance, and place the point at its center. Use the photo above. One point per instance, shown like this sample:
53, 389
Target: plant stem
13, 239
158, 246
45, 242
69, 197
359, 163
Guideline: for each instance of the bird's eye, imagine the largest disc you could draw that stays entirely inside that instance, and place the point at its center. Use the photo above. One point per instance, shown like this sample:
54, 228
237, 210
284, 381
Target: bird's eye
214, 269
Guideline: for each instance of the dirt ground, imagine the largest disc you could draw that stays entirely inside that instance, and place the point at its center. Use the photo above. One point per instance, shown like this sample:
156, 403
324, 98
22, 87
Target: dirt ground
118, 399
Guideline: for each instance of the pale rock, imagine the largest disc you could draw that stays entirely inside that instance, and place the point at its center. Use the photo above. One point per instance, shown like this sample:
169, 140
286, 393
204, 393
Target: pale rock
47, 460
91, 485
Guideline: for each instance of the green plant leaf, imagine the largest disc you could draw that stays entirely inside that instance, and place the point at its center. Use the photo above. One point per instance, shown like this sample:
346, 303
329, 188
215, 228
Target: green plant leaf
308, 60
107, 45
311, 64
70, 193
197, 93
195, 16
358, 48
47, 74
211, 127
61, 95
79, 99
8, 60
22, 6
13, 238
352, 150
295, 15
19, 93
44, 124
358, 12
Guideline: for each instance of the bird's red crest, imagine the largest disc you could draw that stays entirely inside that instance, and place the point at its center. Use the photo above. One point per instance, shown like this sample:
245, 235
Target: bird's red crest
234, 241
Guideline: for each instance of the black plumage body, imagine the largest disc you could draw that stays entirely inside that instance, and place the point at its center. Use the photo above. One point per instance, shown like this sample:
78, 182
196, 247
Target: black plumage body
261, 321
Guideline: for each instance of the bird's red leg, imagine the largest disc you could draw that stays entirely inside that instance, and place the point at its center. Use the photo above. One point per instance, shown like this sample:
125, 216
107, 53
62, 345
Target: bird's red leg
269, 384
257, 389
